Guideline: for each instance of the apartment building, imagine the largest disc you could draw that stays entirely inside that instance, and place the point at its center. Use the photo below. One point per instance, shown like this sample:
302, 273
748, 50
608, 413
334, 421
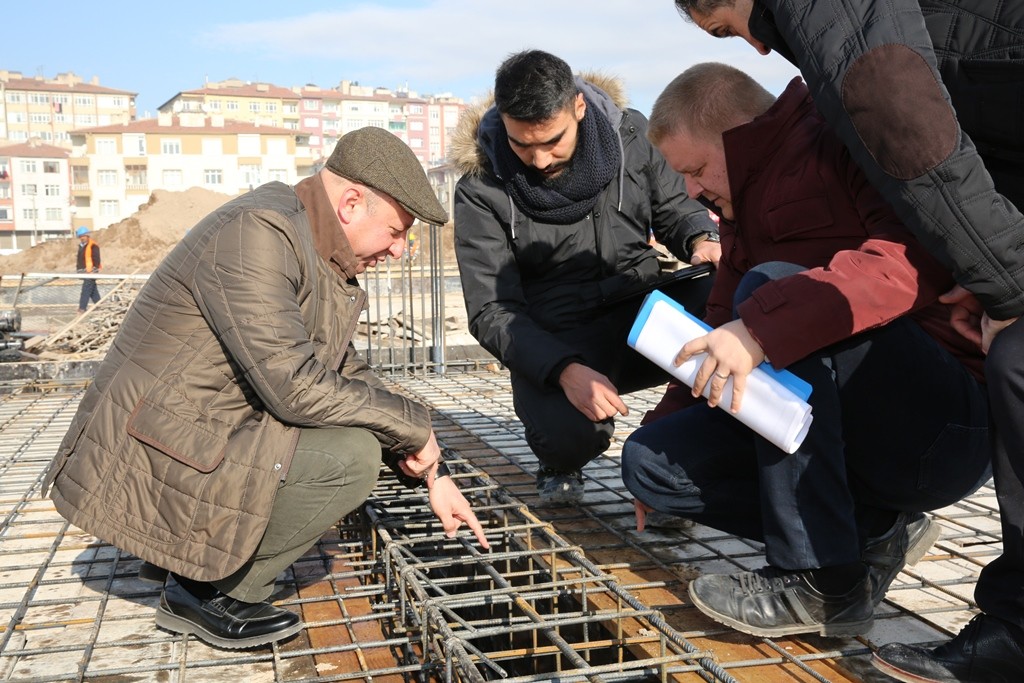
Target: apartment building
325, 114
258, 103
115, 168
49, 109
34, 195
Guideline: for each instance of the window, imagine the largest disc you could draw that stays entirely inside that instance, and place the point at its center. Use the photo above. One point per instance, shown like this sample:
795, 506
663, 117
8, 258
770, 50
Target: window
109, 208
331, 108
30, 214
51, 167
39, 118
232, 105
248, 145
254, 107
170, 146
416, 143
39, 98
106, 146
277, 146
172, 177
29, 190
213, 105
14, 97
51, 190
415, 109
310, 105
310, 122
5, 191
278, 174
4, 214
83, 100
135, 145
213, 176
415, 125
291, 109
135, 177
212, 147
85, 120
53, 213
270, 106
250, 174
106, 178
28, 166
112, 101
377, 123
18, 117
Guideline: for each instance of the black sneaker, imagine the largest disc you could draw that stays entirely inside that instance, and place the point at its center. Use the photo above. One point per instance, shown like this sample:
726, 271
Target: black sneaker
220, 620
905, 543
559, 488
768, 602
987, 650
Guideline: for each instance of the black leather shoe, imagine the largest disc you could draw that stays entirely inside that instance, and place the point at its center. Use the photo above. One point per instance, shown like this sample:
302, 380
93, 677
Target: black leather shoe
987, 650
220, 620
768, 602
905, 543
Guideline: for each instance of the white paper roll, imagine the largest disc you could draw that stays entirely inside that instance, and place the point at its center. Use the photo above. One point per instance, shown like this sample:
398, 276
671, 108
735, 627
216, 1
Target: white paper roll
769, 407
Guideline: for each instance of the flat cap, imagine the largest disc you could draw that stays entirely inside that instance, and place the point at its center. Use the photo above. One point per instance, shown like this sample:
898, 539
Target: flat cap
376, 158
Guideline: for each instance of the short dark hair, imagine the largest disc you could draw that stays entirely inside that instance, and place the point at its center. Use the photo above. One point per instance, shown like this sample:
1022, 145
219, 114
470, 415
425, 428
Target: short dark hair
685, 7
534, 85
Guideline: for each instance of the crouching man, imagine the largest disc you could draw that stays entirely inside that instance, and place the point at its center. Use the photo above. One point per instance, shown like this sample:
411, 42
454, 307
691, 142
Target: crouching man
232, 421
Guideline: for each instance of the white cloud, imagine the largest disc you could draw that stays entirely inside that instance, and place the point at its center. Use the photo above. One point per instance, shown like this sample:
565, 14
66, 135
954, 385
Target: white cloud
455, 45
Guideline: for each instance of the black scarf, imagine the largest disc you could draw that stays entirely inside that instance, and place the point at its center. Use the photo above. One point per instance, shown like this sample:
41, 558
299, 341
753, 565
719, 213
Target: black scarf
570, 195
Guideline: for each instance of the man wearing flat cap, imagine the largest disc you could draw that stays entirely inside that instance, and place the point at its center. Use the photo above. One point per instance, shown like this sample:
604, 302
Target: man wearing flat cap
232, 421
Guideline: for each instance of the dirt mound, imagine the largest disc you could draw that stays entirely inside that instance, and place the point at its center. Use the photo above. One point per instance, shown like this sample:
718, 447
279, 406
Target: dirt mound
136, 244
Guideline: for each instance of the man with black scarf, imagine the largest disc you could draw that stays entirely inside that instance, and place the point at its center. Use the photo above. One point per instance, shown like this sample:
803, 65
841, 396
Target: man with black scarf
552, 214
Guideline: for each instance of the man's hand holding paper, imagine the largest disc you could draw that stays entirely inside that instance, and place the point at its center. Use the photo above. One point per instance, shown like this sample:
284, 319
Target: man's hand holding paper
731, 352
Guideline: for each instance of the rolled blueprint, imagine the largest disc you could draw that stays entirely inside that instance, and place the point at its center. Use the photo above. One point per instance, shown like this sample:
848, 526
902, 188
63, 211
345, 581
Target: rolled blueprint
774, 402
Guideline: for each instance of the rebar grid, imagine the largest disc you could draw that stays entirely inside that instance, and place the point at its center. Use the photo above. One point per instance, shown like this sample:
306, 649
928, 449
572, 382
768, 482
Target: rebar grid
414, 606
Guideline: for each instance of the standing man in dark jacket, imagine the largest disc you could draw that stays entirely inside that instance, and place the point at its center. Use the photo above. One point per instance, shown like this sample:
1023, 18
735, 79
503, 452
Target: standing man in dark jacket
232, 422
88, 261
560, 187
928, 95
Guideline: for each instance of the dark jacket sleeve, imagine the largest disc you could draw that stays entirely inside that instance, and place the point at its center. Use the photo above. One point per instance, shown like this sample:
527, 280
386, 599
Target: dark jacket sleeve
495, 303
872, 72
96, 263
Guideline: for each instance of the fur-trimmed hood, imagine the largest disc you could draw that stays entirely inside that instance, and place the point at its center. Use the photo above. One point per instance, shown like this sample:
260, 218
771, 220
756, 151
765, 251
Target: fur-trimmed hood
472, 143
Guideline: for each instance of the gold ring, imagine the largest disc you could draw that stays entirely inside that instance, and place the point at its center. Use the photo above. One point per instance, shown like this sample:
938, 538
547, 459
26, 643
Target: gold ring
721, 376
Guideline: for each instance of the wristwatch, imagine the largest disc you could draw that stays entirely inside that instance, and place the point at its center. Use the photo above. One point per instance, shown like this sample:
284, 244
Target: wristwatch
701, 237
442, 470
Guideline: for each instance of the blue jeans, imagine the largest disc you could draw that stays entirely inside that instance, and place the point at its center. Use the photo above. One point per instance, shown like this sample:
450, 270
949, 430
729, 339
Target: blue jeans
89, 292
898, 425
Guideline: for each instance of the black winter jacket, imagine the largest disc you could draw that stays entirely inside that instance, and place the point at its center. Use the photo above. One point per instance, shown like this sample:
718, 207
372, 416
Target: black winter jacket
523, 280
873, 69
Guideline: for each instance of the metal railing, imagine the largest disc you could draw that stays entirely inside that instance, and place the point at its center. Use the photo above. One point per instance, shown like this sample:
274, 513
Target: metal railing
414, 322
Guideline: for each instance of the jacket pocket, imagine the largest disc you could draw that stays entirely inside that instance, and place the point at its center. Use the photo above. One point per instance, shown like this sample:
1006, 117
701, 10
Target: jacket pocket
800, 219
193, 443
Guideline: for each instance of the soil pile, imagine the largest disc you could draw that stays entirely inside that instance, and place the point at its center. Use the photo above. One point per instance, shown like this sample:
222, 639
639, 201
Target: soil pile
136, 244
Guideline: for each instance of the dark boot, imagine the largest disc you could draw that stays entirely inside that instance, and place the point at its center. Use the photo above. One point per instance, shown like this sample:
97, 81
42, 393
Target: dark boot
905, 543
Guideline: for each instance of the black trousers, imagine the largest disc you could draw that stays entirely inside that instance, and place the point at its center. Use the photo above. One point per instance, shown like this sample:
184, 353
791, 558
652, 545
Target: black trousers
562, 437
1000, 589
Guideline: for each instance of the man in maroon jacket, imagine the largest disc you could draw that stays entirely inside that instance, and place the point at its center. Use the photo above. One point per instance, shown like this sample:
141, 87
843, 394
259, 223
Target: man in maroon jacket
818, 274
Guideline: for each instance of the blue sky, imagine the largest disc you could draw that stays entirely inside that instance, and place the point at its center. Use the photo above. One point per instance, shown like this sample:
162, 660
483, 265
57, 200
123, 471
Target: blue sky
433, 46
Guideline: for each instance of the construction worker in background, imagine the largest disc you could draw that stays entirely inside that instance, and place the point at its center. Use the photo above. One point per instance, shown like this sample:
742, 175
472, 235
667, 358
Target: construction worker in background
88, 262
